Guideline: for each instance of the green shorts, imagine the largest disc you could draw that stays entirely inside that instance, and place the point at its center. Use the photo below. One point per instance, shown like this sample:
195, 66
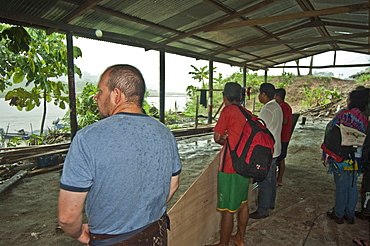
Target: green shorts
232, 191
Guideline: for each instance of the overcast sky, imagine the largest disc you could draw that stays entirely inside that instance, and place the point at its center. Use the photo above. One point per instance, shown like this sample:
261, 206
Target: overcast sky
98, 55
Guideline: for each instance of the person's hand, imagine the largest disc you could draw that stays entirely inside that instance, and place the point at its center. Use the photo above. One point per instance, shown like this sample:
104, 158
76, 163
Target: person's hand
225, 136
85, 235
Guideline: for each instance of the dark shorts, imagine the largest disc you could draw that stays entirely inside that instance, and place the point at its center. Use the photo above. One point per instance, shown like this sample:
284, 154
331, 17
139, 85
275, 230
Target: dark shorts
155, 234
284, 150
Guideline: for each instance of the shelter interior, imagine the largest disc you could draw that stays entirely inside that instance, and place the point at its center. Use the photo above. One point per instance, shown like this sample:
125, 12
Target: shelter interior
253, 34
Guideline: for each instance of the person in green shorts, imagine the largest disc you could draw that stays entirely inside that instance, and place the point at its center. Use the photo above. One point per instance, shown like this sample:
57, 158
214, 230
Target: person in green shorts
232, 187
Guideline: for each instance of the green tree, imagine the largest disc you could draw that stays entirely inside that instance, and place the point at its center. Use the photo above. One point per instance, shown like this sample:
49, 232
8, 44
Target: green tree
86, 107
201, 74
39, 59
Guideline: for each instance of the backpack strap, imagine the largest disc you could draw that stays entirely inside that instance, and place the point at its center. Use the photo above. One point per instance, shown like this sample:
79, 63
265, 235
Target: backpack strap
248, 116
227, 147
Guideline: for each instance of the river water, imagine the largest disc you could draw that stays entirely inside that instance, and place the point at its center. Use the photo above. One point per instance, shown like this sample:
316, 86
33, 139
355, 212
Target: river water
12, 120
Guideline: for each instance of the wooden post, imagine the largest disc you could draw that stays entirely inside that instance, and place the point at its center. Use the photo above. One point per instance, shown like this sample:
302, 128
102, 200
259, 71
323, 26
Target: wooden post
71, 85
265, 76
254, 105
311, 64
244, 83
244, 76
196, 110
210, 95
298, 72
162, 91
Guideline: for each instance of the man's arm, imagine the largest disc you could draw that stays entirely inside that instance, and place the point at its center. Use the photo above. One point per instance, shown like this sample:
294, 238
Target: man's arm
173, 186
220, 139
70, 205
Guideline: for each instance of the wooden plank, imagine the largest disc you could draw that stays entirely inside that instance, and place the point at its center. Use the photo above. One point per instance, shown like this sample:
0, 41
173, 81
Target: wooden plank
8, 160
194, 217
8, 183
31, 150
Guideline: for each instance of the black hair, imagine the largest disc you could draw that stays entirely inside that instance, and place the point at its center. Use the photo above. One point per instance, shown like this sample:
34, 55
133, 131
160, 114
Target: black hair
232, 91
268, 89
358, 99
281, 93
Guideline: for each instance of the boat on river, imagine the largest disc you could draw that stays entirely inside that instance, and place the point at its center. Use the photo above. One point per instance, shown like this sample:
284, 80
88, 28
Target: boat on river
22, 134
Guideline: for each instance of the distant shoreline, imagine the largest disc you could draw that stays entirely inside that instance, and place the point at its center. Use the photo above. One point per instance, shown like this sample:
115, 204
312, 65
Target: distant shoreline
168, 94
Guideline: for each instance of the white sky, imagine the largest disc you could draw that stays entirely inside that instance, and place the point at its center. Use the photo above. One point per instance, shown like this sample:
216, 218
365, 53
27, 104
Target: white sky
98, 55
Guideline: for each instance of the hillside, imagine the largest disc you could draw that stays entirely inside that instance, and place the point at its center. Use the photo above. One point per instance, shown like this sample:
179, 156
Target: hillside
297, 98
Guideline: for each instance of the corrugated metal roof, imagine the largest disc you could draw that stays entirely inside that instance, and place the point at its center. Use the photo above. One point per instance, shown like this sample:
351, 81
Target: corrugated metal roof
266, 33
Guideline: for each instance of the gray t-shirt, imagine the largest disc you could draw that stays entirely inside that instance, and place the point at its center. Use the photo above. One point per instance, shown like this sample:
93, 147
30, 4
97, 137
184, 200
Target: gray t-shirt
125, 162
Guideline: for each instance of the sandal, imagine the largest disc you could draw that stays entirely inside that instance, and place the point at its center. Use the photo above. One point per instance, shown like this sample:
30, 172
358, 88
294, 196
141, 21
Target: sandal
360, 242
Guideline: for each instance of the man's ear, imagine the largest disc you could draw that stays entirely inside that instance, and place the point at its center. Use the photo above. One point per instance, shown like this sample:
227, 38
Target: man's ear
117, 95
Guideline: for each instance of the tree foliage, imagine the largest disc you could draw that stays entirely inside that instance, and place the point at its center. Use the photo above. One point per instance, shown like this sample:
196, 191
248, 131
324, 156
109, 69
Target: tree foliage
86, 107
31, 56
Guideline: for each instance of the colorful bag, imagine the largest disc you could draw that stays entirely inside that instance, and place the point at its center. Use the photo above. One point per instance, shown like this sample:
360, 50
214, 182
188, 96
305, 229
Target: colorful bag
342, 141
252, 155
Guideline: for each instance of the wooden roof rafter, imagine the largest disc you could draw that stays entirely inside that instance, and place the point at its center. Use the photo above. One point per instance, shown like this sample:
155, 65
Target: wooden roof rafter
181, 27
294, 16
307, 6
259, 29
220, 21
314, 39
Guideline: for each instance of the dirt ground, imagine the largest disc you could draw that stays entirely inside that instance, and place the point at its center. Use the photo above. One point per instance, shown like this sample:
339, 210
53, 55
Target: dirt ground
307, 194
28, 209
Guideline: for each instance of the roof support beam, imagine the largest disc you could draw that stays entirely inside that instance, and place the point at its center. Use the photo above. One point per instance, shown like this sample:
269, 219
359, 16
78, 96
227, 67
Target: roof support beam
327, 66
210, 94
220, 21
331, 39
359, 45
294, 16
257, 41
314, 23
120, 15
283, 52
31, 21
162, 84
368, 23
71, 85
355, 51
83, 8
307, 6
329, 23
257, 28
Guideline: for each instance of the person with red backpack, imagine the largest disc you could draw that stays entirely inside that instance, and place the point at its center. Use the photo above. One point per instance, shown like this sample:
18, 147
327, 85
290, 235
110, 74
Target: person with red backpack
232, 187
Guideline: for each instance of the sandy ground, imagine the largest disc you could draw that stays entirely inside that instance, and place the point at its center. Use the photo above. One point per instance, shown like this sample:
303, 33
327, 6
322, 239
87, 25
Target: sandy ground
28, 209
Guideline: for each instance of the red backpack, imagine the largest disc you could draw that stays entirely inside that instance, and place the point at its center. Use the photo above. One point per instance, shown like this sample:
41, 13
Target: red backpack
252, 155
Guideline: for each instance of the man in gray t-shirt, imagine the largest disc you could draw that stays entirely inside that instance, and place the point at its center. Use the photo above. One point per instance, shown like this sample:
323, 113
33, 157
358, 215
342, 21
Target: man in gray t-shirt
125, 166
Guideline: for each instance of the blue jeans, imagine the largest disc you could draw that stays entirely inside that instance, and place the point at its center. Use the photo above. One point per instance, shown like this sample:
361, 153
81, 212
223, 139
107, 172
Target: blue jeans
267, 191
346, 193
